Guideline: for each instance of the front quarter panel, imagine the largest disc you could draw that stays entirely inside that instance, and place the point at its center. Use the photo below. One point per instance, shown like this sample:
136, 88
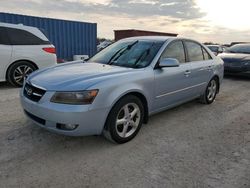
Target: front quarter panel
110, 92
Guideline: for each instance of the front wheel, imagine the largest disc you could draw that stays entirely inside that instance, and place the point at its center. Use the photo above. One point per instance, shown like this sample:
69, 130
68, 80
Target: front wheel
124, 120
211, 91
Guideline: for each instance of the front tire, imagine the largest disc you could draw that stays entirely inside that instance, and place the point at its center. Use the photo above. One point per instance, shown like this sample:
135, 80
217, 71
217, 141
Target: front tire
211, 91
18, 71
125, 120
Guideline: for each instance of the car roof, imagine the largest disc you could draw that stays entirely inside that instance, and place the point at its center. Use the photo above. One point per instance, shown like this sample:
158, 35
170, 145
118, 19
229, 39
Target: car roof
157, 38
215, 45
242, 44
17, 26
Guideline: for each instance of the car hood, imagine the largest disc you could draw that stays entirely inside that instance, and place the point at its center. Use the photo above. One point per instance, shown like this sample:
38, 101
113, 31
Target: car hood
234, 57
75, 76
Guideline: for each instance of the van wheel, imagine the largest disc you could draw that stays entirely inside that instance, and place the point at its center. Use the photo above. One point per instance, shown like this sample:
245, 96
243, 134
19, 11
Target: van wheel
18, 71
124, 120
211, 91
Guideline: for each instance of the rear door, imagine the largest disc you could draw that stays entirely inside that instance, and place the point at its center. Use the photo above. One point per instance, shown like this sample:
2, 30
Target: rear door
201, 63
5, 53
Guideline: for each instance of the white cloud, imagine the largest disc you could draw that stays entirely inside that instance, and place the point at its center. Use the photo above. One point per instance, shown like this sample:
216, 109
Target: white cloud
103, 2
143, 2
231, 14
177, 16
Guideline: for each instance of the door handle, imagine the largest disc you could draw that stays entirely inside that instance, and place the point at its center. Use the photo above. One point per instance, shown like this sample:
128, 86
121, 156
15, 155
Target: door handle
209, 68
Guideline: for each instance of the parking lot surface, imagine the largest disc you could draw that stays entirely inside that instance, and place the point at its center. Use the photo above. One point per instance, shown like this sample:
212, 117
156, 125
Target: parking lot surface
193, 145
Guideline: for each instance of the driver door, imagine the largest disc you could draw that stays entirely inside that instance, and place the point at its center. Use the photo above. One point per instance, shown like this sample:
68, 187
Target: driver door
172, 83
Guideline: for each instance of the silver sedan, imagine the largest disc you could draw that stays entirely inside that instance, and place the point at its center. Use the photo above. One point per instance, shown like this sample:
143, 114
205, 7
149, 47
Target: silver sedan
116, 91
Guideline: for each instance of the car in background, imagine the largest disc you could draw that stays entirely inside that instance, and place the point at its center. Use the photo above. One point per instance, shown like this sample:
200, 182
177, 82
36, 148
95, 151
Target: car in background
103, 45
217, 49
237, 59
23, 49
116, 90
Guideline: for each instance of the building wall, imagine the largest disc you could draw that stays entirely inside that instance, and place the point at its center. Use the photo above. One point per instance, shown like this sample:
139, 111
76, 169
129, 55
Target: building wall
69, 37
120, 34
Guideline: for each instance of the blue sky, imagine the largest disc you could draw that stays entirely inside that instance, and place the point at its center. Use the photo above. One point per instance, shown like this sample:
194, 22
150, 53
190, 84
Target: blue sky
220, 21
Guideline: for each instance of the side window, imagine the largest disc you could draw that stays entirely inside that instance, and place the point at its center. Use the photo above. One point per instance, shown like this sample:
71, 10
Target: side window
194, 51
21, 37
175, 50
206, 54
3, 36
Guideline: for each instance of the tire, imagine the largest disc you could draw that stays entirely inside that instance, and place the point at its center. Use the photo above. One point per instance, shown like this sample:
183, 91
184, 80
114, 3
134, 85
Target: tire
211, 91
124, 120
18, 71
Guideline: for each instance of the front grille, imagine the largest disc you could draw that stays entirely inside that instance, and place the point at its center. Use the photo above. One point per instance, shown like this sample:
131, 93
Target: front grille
33, 93
35, 118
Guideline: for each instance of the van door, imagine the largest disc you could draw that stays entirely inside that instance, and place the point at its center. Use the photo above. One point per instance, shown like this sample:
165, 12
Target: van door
5, 53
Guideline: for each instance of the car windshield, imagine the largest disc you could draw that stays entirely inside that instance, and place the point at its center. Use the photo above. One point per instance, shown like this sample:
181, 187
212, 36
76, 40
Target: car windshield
133, 53
240, 48
213, 48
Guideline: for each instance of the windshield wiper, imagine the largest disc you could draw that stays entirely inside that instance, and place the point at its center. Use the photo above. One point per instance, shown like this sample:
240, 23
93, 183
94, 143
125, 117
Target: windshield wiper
147, 51
139, 58
121, 52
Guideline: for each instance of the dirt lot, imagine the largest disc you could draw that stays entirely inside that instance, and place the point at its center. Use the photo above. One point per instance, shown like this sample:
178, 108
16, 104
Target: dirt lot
193, 145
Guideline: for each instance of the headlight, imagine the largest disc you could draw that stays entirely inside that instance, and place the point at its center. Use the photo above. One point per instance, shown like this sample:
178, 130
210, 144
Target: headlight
75, 98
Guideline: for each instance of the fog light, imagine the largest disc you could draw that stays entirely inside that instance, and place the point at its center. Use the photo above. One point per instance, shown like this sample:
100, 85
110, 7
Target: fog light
67, 127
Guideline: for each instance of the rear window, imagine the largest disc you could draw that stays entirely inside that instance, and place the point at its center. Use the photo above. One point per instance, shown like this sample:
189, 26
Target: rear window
22, 37
3, 36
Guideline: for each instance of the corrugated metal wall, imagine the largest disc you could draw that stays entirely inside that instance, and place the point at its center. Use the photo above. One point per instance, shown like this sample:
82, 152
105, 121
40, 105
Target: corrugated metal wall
69, 37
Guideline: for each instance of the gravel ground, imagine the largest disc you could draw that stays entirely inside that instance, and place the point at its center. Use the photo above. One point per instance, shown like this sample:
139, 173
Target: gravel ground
193, 145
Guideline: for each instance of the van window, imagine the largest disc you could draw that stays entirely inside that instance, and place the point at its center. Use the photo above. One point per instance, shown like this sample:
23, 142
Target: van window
3, 37
22, 37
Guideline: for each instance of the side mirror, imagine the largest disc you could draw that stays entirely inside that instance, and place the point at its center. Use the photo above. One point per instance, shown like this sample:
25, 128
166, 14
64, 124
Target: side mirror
169, 62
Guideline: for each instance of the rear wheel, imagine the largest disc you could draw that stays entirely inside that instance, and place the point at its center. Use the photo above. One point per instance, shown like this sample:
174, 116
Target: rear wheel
124, 120
18, 71
211, 91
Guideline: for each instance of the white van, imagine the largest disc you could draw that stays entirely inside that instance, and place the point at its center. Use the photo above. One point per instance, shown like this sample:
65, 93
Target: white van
23, 49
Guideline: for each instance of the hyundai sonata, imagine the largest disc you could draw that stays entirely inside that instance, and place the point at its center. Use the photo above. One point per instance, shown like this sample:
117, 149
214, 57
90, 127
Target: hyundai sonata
237, 59
115, 91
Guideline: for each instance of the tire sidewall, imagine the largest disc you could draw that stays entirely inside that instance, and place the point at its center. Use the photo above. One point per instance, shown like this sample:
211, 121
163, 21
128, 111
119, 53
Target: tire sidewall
111, 120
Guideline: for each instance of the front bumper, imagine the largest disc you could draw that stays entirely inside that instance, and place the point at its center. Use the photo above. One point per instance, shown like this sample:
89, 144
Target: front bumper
47, 115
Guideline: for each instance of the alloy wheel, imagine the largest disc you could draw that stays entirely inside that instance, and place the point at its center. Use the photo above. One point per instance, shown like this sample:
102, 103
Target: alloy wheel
21, 72
211, 90
128, 120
